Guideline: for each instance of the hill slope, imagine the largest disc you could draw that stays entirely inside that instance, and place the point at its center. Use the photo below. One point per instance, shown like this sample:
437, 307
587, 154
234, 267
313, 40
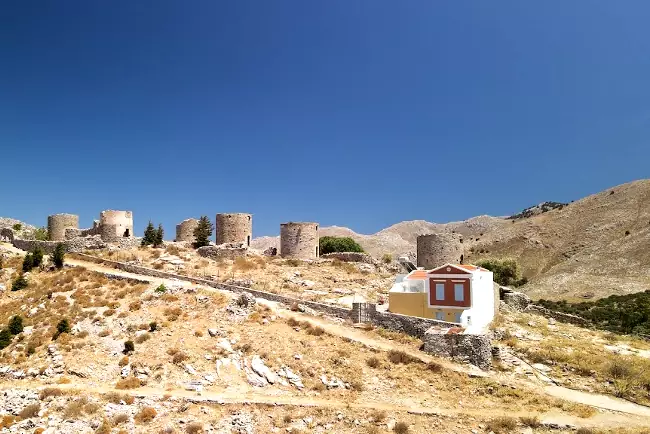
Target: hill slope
579, 250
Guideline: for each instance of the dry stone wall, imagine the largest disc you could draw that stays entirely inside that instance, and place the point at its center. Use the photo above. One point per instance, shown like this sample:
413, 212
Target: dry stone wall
351, 257
471, 348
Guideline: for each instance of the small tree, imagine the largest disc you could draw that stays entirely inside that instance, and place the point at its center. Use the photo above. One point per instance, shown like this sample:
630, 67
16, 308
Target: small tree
5, 339
28, 263
37, 256
17, 227
149, 235
58, 256
16, 325
160, 233
203, 232
19, 283
506, 272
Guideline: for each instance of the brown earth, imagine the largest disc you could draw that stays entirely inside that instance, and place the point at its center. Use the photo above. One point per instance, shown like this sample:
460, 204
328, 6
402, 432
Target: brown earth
591, 248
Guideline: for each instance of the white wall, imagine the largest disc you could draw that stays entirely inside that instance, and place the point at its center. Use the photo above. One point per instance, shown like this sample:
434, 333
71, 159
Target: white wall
482, 293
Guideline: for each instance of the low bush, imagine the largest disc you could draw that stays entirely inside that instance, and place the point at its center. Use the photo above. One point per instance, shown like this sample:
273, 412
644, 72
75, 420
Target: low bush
5, 338
153, 326
338, 244
142, 338
63, 326
373, 362
401, 428
179, 357
129, 347
531, 421
506, 272
16, 325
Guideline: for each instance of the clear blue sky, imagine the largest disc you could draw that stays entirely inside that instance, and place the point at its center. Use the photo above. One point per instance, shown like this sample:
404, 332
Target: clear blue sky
357, 113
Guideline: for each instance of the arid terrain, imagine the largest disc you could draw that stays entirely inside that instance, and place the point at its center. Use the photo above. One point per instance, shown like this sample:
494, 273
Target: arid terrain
590, 248
260, 367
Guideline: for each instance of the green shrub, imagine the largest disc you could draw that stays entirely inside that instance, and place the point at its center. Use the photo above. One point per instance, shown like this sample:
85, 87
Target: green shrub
41, 234
16, 325
506, 272
59, 256
5, 338
19, 283
338, 244
161, 288
387, 258
37, 256
153, 326
628, 313
17, 227
28, 263
62, 327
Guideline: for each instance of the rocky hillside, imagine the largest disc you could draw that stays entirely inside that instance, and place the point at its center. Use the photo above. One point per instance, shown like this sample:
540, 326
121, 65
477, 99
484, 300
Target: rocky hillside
593, 247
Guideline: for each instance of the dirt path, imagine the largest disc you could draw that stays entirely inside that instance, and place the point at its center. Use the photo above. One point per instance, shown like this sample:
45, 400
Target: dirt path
226, 397
605, 402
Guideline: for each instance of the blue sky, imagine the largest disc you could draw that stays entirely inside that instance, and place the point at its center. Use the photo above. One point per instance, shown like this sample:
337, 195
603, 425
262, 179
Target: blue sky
354, 113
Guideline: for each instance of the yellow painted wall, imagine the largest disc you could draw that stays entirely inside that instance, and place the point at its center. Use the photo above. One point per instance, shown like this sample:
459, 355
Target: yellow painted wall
415, 304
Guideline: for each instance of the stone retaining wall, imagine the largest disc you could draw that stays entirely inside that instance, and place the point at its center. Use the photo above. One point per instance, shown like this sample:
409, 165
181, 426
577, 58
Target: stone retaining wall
470, 348
350, 257
73, 245
559, 316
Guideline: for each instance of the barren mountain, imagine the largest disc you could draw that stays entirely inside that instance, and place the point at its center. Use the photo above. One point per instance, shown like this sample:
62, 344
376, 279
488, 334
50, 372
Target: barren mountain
593, 247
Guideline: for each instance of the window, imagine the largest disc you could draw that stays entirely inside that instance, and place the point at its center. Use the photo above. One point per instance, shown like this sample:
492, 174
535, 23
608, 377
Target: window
440, 316
457, 317
459, 292
440, 291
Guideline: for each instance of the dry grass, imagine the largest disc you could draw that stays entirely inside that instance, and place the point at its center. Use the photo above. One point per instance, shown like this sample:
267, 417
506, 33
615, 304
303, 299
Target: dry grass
373, 362
401, 428
120, 418
30, 411
147, 414
502, 424
531, 421
179, 357
118, 398
128, 383
50, 391
142, 338
398, 357
194, 428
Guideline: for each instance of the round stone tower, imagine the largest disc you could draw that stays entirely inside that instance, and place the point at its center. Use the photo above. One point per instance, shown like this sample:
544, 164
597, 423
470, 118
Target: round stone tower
234, 228
299, 240
115, 224
58, 223
185, 230
435, 250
